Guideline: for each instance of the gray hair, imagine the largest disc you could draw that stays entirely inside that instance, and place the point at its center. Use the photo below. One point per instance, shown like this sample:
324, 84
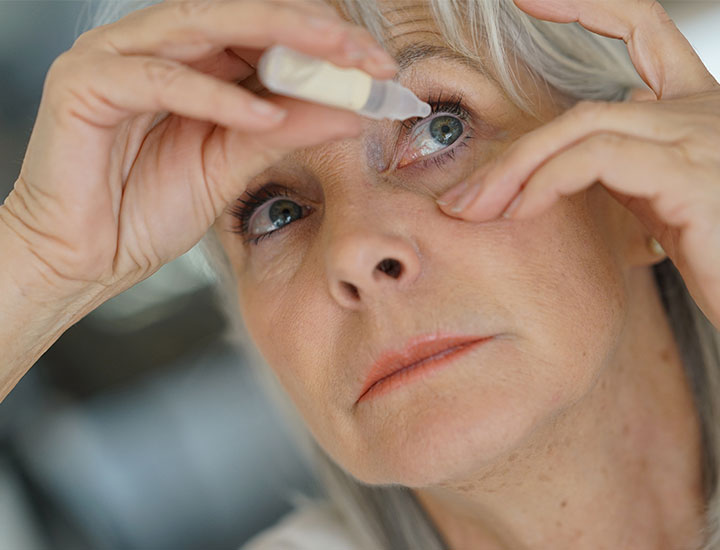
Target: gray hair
580, 65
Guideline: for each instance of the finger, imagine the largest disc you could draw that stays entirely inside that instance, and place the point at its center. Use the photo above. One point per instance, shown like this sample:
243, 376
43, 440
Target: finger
191, 30
675, 189
317, 7
115, 87
495, 184
661, 54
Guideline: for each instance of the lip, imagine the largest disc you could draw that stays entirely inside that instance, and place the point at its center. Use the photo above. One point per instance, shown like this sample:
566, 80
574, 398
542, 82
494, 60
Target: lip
423, 351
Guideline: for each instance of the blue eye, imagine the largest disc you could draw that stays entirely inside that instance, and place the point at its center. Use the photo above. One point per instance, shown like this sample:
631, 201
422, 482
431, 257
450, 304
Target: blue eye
431, 135
445, 129
439, 133
273, 215
266, 211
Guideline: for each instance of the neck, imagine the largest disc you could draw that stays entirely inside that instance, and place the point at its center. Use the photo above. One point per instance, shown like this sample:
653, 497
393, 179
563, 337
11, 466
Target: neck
619, 469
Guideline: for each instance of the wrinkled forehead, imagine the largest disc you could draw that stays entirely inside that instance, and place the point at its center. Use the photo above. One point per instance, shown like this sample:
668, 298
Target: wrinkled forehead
407, 29
392, 21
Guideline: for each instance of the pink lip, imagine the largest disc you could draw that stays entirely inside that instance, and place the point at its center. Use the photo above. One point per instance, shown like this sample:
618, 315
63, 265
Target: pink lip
421, 354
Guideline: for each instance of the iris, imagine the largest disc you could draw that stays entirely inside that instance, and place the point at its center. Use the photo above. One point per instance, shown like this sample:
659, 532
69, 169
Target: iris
446, 129
283, 212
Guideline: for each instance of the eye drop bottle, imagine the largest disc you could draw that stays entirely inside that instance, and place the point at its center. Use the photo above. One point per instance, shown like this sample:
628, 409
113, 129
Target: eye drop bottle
287, 72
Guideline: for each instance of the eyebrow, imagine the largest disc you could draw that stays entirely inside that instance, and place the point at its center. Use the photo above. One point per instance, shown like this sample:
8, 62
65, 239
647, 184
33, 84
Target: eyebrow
413, 53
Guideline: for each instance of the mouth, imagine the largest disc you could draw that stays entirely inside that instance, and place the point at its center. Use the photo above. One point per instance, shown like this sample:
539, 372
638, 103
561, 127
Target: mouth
421, 354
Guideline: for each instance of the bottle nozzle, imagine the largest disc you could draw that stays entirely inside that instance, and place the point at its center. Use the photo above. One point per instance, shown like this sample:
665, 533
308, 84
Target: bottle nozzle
388, 99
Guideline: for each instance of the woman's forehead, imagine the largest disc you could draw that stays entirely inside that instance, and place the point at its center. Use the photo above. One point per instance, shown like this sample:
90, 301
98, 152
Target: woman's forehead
411, 33
404, 17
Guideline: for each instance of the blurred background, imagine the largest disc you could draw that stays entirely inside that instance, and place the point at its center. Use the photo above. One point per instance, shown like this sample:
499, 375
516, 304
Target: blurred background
143, 427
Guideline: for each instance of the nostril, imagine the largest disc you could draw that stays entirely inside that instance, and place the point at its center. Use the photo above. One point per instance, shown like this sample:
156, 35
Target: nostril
352, 290
390, 267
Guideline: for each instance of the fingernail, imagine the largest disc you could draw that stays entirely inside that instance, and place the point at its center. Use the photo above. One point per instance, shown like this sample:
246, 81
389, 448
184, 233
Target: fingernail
451, 194
466, 198
268, 110
656, 247
513, 206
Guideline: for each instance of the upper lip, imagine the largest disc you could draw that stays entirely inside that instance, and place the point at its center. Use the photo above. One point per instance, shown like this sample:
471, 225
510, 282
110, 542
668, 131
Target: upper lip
417, 349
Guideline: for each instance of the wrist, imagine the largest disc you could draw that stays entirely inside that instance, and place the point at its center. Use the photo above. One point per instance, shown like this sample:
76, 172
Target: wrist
28, 286
34, 309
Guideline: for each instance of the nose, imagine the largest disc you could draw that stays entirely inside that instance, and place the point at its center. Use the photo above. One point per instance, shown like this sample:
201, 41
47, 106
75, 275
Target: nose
364, 266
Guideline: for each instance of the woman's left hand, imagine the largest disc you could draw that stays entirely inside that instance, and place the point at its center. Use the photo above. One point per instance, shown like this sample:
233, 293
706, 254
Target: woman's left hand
659, 158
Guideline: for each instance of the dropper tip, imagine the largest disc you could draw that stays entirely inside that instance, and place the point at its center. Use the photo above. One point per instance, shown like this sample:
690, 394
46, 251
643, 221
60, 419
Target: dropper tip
425, 109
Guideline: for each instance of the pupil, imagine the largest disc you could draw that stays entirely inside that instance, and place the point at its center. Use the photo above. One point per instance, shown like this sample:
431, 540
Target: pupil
445, 129
283, 212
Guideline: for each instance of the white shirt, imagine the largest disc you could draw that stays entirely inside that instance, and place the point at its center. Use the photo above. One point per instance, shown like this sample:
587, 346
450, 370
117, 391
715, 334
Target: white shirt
312, 526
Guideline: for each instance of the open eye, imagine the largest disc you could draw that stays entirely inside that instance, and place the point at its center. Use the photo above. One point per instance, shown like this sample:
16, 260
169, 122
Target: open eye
430, 136
273, 215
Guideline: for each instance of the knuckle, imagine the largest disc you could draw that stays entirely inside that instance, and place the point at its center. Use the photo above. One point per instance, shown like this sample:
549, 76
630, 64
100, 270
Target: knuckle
88, 38
609, 141
59, 65
687, 155
162, 72
191, 9
68, 87
61, 69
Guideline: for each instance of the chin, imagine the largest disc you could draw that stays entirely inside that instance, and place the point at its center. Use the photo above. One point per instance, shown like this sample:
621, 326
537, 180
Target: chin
449, 444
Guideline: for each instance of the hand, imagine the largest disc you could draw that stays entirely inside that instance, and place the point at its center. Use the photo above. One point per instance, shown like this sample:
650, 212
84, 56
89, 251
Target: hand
659, 158
143, 136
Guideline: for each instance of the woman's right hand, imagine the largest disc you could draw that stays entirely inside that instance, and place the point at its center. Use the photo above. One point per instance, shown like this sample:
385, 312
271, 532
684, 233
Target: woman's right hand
109, 190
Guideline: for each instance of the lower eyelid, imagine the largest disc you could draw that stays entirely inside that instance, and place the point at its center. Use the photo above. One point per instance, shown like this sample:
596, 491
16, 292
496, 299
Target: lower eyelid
422, 163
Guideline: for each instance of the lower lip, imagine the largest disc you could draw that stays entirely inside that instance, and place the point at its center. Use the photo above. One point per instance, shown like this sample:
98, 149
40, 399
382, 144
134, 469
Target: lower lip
418, 370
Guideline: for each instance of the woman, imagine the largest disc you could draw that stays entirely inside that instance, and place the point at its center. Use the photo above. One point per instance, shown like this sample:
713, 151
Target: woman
553, 396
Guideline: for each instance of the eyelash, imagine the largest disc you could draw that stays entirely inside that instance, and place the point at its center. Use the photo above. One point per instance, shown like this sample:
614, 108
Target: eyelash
243, 209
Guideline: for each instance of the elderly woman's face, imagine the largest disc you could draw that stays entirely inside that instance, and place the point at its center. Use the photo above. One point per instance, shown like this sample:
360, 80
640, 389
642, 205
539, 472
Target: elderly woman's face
322, 306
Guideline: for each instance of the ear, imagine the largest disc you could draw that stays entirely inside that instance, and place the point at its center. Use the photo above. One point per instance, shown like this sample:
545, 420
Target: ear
642, 94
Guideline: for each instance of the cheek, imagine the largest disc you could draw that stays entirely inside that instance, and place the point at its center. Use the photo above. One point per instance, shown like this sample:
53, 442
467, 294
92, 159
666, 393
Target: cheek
568, 300
289, 322
563, 291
